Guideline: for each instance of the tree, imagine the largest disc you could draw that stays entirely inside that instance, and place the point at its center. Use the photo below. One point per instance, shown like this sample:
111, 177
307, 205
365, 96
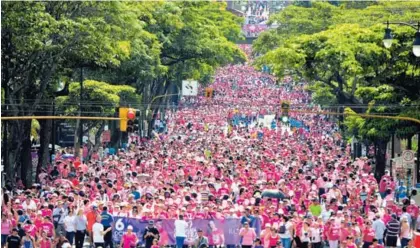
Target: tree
295, 20
348, 61
146, 45
42, 41
194, 39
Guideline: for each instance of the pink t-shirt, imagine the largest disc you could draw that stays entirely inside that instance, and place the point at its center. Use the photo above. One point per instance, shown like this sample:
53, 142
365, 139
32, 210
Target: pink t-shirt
5, 227
46, 212
334, 233
45, 244
248, 236
368, 235
47, 227
129, 240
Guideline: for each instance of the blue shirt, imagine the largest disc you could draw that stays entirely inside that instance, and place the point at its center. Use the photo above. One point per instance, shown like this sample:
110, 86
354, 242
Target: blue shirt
107, 219
136, 195
251, 222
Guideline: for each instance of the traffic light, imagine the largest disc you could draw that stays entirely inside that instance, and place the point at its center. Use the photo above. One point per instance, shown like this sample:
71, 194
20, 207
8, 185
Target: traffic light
209, 92
285, 111
130, 126
136, 123
127, 116
123, 119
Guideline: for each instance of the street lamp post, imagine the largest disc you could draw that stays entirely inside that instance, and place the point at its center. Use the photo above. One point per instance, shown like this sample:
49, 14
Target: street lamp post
388, 36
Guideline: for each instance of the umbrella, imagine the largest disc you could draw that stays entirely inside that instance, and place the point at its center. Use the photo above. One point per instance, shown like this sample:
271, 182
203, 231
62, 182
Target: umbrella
64, 182
270, 193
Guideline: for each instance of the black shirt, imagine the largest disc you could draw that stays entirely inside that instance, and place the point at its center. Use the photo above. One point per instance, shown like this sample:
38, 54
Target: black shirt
149, 239
13, 241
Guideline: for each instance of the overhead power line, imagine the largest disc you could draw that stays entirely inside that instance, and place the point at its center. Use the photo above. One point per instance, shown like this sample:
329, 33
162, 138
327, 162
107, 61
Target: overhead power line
291, 110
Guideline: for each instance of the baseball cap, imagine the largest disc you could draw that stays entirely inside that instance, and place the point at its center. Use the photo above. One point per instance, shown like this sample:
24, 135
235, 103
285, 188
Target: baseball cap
130, 227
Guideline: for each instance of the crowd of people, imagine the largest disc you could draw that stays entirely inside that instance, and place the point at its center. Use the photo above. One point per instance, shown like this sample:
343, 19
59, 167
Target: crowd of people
256, 16
300, 186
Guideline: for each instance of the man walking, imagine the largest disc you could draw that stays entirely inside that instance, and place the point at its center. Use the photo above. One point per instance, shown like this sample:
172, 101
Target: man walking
107, 221
180, 231
98, 233
379, 228
59, 213
392, 231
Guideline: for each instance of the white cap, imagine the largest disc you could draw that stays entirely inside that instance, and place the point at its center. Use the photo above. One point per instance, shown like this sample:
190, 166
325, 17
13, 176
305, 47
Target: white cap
130, 227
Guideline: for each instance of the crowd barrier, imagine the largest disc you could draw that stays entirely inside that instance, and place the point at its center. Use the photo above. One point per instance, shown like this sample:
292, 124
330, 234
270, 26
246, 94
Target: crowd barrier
219, 232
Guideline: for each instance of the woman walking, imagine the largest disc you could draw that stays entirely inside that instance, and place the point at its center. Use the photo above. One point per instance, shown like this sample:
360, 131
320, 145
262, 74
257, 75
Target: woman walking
248, 235
405, 232
70, 226
81, 224
304, 238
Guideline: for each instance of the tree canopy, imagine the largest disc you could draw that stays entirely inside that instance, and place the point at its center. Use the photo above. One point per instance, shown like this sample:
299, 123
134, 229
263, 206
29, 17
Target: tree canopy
338, 48
145, 45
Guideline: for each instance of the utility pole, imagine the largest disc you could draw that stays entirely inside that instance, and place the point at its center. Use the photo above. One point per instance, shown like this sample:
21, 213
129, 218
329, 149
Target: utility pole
53, 133
418, 159
5, 135
392, 153
81, 111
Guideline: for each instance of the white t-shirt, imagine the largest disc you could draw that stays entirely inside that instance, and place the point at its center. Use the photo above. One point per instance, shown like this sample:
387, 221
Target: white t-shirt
69, 223
287, 234
316, 235
97, 230
30, 206
180, 228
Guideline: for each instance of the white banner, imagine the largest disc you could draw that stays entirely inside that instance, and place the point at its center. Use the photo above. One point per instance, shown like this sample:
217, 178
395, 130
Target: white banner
268, 119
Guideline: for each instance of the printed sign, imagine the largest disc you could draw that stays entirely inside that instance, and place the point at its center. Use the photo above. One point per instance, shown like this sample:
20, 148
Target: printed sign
219, 232
189, 88
408, 156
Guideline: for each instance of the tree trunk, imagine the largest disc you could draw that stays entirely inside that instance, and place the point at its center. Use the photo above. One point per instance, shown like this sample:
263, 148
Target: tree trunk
25, 154
160, 91
380, 158
97, 139
44, 151
115, 136
14, 145
410, 142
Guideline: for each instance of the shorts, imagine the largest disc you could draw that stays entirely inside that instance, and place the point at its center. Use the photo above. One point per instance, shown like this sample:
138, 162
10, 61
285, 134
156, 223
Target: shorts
97, 245
4, 239
391, 241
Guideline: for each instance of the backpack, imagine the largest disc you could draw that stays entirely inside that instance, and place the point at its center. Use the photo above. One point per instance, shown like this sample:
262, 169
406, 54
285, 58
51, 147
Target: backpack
282, 229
